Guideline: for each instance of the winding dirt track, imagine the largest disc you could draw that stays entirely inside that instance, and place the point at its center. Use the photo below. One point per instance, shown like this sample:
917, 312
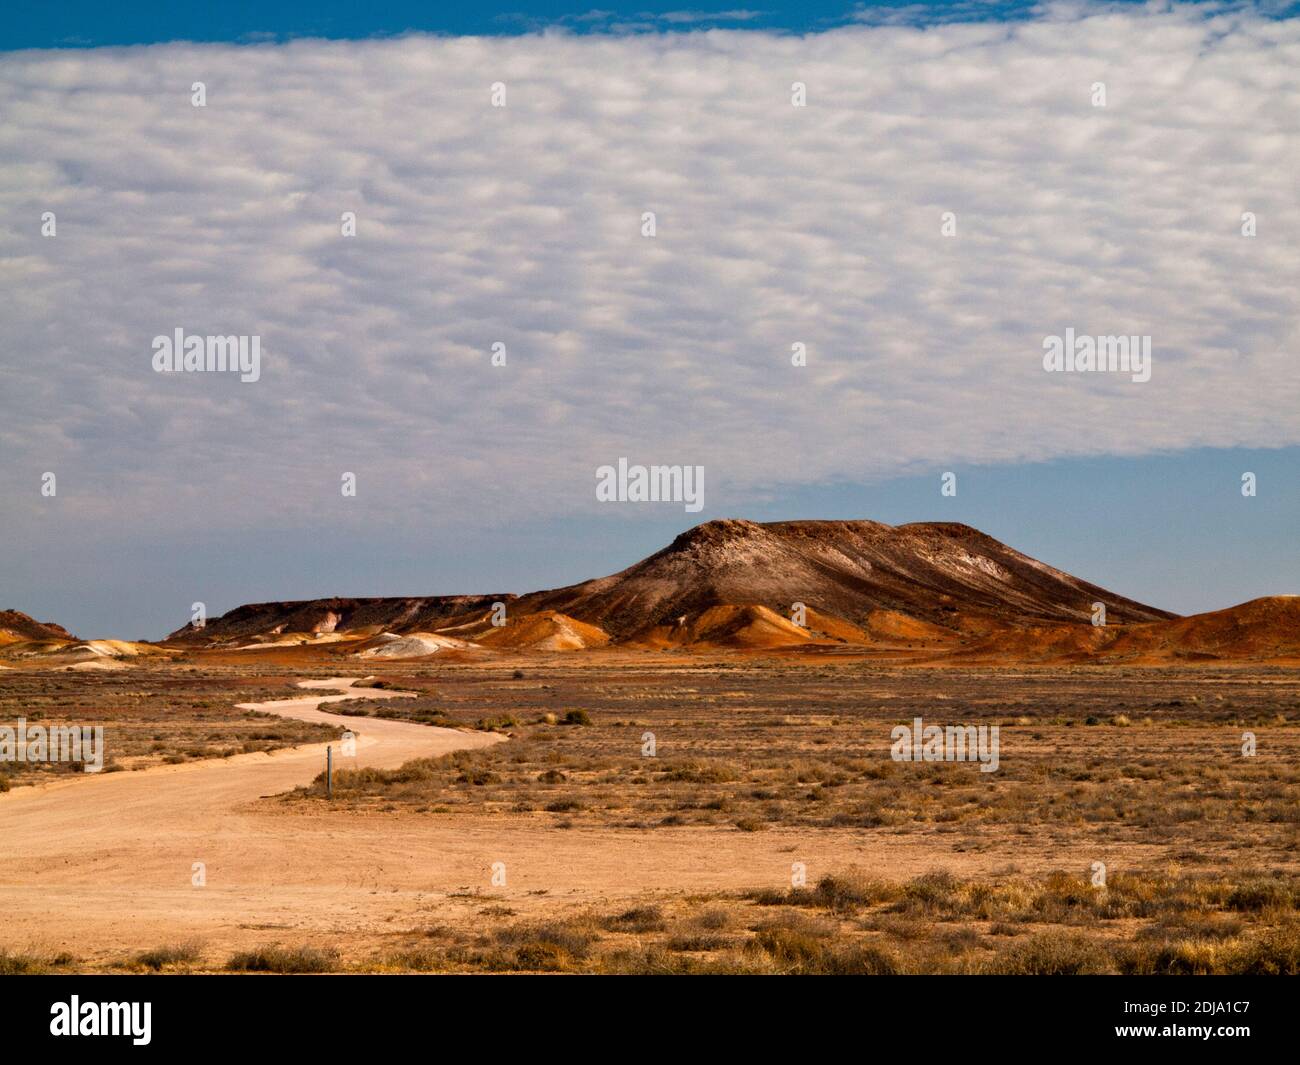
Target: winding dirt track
109, 859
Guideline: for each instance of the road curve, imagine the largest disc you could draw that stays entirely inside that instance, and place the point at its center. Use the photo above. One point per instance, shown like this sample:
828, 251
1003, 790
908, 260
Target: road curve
115, 853
48, 818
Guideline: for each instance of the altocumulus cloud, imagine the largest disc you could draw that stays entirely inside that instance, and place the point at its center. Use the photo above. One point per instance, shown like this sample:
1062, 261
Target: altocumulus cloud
522, 224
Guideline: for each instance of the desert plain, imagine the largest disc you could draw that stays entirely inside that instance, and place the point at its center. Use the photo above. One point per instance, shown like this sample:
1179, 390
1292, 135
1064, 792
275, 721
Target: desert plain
714, 792
477, 830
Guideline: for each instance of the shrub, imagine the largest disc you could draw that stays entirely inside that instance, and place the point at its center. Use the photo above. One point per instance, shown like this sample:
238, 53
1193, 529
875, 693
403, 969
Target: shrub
20, 964
697, 942
1172, 957
640, 919
1277, 953
174, 954
1051, 954
846, 891
798, 951
548, 947
278, 959
417, 959
1258, 893
714, 919
932, 892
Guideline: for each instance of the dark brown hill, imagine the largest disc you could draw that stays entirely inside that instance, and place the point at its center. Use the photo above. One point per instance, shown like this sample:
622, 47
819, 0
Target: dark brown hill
939, 572
15, 625
396, 614
925, 583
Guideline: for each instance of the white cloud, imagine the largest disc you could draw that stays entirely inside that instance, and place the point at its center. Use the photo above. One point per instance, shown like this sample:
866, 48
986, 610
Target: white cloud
775, 225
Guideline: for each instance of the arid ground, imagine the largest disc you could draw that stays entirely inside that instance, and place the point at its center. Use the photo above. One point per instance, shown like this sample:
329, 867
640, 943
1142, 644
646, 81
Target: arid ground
509, 816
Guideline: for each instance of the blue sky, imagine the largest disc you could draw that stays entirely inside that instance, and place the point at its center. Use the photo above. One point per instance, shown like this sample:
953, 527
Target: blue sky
1172, 531
522, 225
38, 24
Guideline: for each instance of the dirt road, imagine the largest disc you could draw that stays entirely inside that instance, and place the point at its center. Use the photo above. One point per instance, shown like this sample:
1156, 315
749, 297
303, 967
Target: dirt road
100, 862
104, 866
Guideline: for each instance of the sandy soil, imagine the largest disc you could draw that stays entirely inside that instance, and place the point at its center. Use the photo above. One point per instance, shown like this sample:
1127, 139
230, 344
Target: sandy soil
99, 864
101, 867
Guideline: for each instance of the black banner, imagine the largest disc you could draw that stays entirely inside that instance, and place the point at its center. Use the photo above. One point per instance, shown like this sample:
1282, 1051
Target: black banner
165, 1014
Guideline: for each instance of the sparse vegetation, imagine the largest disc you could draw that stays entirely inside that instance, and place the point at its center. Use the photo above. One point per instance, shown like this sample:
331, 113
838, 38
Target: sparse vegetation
1199, 841
187, 953
852, 924
21, 963
154, 715
738, 747
278, 959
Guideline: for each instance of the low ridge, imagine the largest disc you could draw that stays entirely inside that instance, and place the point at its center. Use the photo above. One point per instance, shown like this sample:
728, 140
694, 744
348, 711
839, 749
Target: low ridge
735, 583
16, 626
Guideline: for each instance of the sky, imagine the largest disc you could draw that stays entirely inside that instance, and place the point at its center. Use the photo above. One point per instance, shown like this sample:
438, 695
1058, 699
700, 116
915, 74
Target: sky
951, 192
41, 24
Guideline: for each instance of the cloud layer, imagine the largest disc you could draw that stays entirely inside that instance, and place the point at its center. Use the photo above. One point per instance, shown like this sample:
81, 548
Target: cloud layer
775, 225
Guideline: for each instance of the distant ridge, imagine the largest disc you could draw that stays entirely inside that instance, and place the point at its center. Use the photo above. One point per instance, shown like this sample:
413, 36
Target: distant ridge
927, 592
16, 626
404, 613
736, 583
946, 574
